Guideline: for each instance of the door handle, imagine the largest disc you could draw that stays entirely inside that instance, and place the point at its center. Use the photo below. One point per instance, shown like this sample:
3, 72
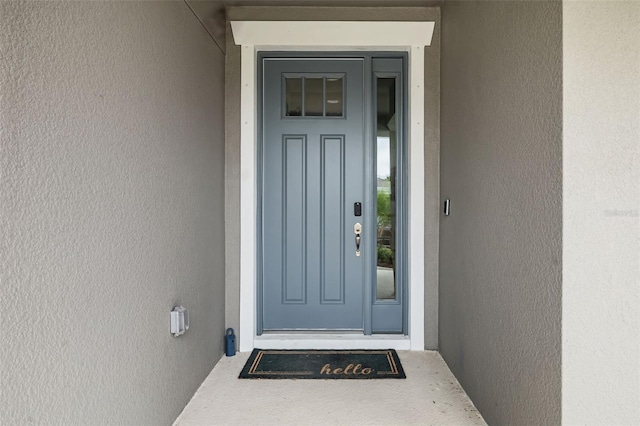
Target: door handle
357, 229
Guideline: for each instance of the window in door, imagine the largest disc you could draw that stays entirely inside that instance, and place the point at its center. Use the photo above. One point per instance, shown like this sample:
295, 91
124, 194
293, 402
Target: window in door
314, 95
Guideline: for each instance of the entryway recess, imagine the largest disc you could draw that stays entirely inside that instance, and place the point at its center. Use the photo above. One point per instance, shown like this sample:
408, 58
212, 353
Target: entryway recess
309, 196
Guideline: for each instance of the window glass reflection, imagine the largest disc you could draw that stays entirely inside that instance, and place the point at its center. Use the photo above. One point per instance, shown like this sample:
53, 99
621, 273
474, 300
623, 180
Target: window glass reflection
313, 97
293, 95
386, 148
334, 101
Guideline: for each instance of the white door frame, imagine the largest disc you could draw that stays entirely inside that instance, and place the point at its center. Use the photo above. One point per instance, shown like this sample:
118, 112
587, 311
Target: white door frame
255, 36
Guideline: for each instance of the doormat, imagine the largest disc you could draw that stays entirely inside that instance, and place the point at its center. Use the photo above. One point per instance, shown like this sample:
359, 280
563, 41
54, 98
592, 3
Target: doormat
323, 364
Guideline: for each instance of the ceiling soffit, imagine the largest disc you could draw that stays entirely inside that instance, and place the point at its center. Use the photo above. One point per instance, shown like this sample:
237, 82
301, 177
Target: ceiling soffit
212, 14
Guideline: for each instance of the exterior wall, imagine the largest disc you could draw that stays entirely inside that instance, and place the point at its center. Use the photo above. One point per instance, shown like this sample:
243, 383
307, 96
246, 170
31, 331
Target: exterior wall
112, 170
601, 210
232, 135
232, 182
501, 247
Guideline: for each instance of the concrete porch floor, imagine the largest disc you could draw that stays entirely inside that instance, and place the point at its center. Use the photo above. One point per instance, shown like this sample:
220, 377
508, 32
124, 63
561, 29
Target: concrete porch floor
430, 395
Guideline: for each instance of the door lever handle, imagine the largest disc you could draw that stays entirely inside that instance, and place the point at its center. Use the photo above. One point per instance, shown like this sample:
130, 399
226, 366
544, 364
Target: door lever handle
357, 229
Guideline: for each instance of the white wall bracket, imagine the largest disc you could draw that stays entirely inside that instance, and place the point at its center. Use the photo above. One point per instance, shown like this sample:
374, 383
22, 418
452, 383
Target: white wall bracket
179, 321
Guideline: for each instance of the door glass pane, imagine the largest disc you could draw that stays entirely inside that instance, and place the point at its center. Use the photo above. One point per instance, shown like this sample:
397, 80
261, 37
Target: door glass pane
386, 187
293, 96
313, 99
334, 100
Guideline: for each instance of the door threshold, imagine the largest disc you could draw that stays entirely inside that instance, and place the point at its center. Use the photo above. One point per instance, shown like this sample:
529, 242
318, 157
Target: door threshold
332, 341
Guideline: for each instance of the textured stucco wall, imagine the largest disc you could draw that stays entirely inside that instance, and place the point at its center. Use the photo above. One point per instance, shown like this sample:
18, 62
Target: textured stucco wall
500, 250
432, 141
601, 210
232, 182
112, 171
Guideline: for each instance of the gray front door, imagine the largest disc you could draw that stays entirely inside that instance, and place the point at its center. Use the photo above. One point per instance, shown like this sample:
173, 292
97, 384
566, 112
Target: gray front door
312, 176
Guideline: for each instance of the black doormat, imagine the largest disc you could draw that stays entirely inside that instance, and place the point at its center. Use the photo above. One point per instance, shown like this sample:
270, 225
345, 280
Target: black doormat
323, 364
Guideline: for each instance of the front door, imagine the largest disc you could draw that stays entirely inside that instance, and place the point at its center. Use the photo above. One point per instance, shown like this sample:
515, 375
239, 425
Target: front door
313, 180
331, 162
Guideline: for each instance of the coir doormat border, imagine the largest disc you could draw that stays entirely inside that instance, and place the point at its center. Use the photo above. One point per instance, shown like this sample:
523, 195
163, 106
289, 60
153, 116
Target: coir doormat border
323, 364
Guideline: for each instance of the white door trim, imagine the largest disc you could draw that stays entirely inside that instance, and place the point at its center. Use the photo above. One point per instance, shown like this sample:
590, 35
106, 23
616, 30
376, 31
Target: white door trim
256, 36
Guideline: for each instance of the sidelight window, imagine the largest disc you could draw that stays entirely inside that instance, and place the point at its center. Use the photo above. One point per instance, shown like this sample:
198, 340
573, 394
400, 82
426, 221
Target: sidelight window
386, 190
